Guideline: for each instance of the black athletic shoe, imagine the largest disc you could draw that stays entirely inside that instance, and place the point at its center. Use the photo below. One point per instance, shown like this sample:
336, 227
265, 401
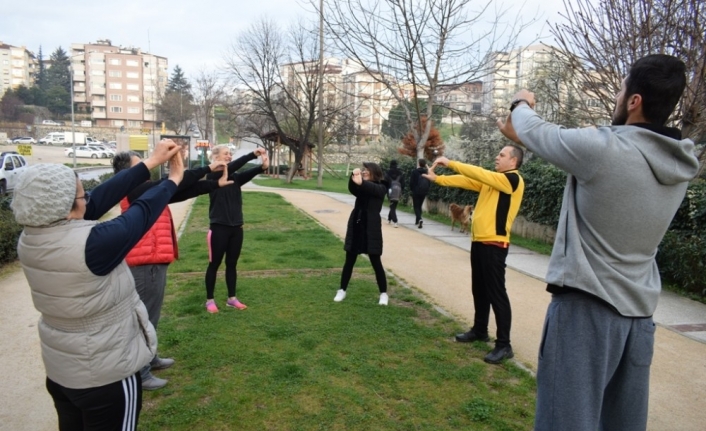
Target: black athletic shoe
499, 354
470, 336
420, 224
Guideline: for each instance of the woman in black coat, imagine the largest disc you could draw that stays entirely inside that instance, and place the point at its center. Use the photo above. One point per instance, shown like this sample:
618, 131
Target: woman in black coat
364, 232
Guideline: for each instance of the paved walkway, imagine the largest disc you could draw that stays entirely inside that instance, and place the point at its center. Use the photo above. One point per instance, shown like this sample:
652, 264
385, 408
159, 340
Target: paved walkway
433, 260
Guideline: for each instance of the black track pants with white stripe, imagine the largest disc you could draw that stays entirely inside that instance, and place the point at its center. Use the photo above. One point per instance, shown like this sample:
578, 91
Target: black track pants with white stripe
113, 407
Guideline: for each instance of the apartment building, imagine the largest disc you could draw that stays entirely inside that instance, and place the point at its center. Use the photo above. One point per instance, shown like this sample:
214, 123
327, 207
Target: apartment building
509, 71
17, 67
463, 101
117, 86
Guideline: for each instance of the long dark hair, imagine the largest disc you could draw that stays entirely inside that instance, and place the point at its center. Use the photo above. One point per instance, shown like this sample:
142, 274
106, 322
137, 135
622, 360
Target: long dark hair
375, 170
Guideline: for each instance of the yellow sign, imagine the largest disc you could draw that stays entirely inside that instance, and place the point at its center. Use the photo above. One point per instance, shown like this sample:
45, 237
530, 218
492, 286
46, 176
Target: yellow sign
138, 142
25, 150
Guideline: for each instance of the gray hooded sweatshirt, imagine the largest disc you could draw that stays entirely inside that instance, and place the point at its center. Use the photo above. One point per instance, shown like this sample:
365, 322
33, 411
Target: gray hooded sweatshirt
624, 186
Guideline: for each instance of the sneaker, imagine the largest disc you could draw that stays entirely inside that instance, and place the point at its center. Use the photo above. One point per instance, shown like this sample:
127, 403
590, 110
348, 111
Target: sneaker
396, 225
211, 306
420, 224
236, 304
383, 299
153, 383
340, 295
499, 354
470, 336
389, 221
161, 363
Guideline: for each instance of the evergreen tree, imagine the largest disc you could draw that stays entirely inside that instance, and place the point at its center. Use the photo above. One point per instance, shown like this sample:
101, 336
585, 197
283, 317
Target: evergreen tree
58, 100
40, 79
396, 125
58, 73
179, 84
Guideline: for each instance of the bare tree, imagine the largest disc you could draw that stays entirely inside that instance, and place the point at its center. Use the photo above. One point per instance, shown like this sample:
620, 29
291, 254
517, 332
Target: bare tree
607, 36
209, 92
420, 45
278, 69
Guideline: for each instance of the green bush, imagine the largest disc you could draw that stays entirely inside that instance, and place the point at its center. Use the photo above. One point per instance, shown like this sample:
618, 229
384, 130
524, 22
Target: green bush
9, 232
544, 189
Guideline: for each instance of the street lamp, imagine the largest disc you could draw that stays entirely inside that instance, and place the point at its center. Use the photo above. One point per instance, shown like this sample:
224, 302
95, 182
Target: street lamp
73, 125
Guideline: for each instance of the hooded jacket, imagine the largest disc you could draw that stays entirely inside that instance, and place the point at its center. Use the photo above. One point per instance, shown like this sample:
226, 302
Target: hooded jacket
624, 186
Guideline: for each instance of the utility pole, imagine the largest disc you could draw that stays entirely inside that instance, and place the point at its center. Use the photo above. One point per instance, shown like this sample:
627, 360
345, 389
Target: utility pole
73, 125
320, 149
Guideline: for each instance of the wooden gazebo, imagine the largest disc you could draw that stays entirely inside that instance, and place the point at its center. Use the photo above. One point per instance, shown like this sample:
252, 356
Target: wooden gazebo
277, 158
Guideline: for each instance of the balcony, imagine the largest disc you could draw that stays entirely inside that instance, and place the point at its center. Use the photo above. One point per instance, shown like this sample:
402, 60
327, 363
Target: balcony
79, 98
95, 102
98, 91
98, 115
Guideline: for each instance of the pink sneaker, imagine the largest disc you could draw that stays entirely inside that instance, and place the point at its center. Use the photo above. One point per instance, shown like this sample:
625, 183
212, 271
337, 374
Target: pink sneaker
211, 306
236, 304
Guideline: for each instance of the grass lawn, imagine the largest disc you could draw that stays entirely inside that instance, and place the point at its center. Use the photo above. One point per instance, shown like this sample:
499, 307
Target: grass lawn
295, 360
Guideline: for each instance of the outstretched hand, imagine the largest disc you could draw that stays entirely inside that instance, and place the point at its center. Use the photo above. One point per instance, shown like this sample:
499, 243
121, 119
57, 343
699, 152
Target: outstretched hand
508, 130
431, 175
223, 180
357, 176
259, 151
218, 166
176, 168
163, 151
265, 162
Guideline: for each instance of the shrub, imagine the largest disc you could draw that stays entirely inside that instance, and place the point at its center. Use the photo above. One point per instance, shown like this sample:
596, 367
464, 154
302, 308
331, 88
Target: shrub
544, 189
9, 232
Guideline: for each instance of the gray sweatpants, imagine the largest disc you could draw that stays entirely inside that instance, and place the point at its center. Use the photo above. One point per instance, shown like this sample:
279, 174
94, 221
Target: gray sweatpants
150, 283
594, 367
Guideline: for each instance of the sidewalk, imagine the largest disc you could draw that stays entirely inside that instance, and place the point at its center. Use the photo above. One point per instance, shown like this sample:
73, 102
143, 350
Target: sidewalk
436, 262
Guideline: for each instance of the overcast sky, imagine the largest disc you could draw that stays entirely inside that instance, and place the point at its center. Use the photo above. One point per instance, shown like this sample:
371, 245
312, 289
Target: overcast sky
192, 34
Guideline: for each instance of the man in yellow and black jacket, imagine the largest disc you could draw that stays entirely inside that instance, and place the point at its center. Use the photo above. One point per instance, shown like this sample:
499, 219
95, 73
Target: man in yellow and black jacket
500, 195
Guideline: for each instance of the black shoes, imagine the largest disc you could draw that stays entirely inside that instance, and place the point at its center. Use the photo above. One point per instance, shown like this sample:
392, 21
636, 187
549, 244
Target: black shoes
470, 336
499, 354
419, 225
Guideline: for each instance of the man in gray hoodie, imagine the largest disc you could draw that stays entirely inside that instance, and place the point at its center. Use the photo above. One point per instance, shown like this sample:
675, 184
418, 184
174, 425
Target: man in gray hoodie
624, 185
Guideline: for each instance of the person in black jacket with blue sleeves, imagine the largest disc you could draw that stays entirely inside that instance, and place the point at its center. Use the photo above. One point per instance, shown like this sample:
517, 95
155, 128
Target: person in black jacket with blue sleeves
364, 232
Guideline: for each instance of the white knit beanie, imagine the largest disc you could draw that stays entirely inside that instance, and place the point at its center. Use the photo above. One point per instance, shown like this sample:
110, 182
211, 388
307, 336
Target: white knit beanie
44, 194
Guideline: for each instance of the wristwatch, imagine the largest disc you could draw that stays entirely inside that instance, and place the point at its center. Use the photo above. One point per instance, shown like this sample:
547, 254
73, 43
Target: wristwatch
516, 102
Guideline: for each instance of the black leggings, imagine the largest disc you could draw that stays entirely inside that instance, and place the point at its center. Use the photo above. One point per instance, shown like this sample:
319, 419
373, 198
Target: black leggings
228, 241
392, 215
377, 267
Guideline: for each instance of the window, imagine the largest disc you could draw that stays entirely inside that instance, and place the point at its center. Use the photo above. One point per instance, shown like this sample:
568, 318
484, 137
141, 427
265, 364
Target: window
97, 72
133, 98
132, 63
134, 87
134, 123
116, 109
116, 86
115, 61
133, 110
116, 97
115, 73
118, 123
133, 75
98, 85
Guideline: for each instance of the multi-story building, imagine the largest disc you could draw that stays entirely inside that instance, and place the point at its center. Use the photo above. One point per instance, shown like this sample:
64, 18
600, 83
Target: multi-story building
117, 86
17, 67
509, 71
462, 101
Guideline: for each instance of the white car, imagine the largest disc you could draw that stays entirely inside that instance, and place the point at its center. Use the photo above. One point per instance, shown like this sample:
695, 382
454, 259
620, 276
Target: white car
107, 150
24, 140
86, 151
11, 166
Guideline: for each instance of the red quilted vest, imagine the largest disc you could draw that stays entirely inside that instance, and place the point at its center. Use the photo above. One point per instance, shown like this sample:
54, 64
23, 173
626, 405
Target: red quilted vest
158, 245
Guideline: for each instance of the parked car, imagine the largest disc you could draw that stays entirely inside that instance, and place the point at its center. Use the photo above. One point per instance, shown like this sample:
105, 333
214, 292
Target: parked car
86, 151
51, 123
24, 140
107, 150
112, 144
11, 166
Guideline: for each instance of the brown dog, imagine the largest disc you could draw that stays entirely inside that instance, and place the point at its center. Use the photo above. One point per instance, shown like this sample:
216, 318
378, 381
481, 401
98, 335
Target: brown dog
462, 215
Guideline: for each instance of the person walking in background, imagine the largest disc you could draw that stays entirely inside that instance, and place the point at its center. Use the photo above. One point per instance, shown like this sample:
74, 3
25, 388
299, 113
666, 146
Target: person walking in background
150, 258
395, 178
499, 198
419, 186
94, 331
225, 234
624, 185
364, 231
